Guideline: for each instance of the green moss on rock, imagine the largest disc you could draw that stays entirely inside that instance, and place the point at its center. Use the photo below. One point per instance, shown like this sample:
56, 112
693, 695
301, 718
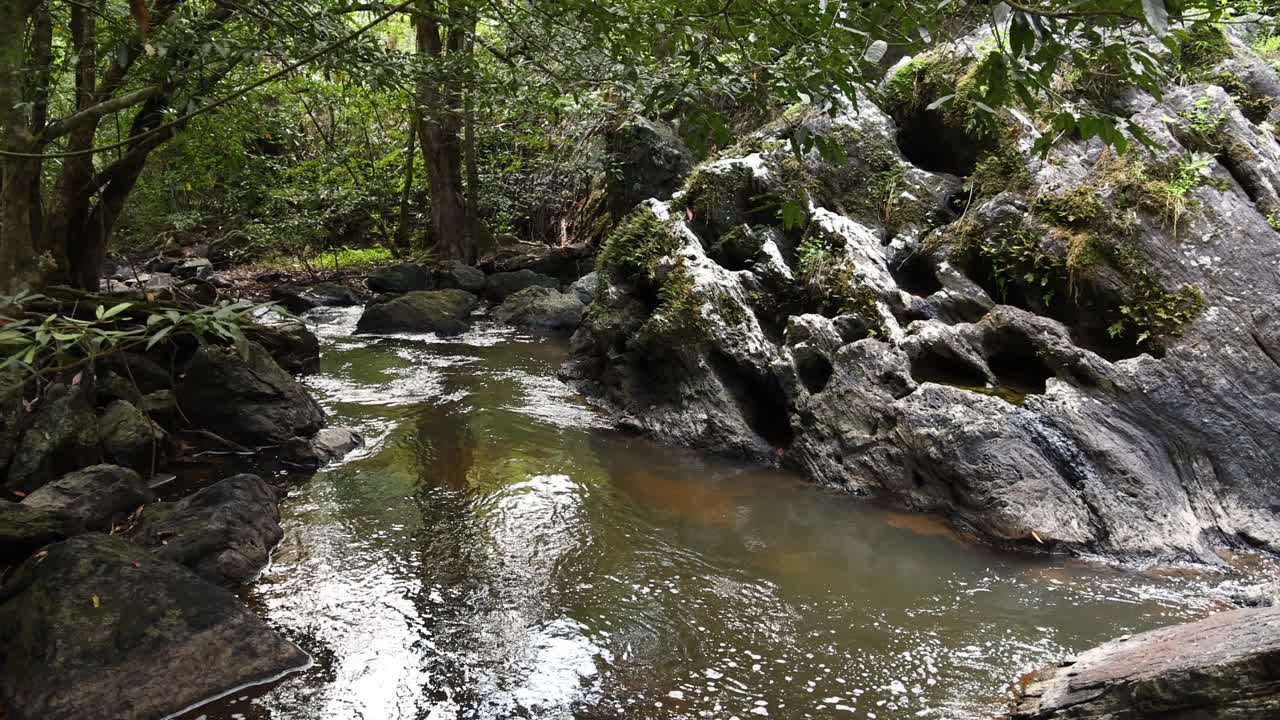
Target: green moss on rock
636, 246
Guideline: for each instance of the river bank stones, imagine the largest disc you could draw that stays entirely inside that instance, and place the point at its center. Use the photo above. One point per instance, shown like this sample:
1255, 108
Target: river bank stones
98, 627
444, 312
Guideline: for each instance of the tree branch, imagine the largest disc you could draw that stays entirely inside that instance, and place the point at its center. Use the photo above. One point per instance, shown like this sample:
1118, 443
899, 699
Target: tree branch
93, 112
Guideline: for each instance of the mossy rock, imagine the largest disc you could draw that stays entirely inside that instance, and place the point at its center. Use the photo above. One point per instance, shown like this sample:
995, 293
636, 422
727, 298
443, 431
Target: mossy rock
97, 623
634, 249
444, 312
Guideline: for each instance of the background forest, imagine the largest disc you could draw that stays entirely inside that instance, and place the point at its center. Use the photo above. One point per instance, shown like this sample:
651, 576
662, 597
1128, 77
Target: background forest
289, 129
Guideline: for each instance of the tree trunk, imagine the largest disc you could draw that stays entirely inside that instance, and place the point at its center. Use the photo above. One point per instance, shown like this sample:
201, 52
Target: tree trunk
18, 267
410, 152
440, 129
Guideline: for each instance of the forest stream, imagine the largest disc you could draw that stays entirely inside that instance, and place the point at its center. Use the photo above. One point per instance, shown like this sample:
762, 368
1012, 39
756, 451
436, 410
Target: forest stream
496, 551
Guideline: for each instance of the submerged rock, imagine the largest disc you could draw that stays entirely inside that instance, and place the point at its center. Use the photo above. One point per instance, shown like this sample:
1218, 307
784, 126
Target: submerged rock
96, 497
252, 401
224, 532
328, 445
99, 627
444, 312
1226, 666
501, 285
542, 308
301, 298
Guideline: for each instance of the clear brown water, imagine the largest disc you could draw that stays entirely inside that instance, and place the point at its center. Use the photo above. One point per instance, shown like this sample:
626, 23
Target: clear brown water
497, 552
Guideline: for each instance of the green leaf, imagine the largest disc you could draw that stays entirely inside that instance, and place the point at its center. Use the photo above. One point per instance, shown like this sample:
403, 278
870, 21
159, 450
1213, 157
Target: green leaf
114, 311
792, 215
164, 332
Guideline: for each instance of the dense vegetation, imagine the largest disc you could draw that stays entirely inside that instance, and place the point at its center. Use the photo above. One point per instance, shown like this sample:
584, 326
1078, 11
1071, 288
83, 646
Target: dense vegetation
286, 129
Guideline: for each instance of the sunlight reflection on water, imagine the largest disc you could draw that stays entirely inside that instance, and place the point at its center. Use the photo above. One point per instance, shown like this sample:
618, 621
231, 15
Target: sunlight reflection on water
497, 553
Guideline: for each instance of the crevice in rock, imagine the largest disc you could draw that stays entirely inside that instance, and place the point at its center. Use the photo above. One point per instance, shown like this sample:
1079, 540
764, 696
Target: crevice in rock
760, 400
946, 369
814, 371
1240, 176
925, 139
1257, 339
915, 275
1020, 369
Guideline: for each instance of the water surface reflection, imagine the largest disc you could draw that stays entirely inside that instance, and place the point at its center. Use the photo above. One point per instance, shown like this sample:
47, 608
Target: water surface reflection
498, 553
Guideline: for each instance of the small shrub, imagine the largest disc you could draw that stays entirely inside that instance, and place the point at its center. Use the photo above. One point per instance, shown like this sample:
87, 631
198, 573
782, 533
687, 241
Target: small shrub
635, 247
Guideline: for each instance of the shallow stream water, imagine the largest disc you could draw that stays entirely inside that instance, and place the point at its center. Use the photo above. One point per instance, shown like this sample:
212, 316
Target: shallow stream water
497, 552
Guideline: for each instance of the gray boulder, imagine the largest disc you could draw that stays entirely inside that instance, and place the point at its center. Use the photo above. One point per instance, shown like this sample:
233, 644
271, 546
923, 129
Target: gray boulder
224, 532
194, 269
542, 308
59, 436
444, 312
98, 626
585, 287
501, 285
252, 401
96, 497
301, 298
290, 343
129, 437
460, 276
402, 278
1226, 666
647, 160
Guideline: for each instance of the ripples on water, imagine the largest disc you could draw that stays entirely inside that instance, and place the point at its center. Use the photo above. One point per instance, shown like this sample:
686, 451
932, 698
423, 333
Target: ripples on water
497, 553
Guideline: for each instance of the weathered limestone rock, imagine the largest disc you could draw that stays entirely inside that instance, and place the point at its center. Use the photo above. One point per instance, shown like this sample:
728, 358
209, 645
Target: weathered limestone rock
99, 627
444, 312
251, 401
96, 497
24, 530
585, 287
224, 532
542, 308
1226, 666
647, 160
1081, 355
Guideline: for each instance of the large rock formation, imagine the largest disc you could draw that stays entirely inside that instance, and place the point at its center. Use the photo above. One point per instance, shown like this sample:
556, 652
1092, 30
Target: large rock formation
1226, 666
1080, 350
98, 627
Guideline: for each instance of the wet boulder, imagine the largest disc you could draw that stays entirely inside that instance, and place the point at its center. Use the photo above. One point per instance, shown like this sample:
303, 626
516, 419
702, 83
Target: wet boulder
460, 276
248, 399
59, 436
224, 532
96, 497
444, 312
328, 445
1225, 666
99, 627
542, 308
301, 298
402, 278
291, 344
194, 269
130, 438
502, 285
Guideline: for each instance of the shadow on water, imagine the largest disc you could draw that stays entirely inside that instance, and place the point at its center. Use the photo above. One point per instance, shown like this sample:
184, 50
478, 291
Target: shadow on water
497, 553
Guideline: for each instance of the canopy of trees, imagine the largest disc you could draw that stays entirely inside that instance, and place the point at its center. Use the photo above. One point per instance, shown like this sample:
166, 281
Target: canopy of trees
442, 124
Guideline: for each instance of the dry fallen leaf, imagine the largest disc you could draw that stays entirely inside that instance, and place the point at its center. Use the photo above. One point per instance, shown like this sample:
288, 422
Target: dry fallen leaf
19, 493
96, 601
76, 380
137, 564
40, 555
